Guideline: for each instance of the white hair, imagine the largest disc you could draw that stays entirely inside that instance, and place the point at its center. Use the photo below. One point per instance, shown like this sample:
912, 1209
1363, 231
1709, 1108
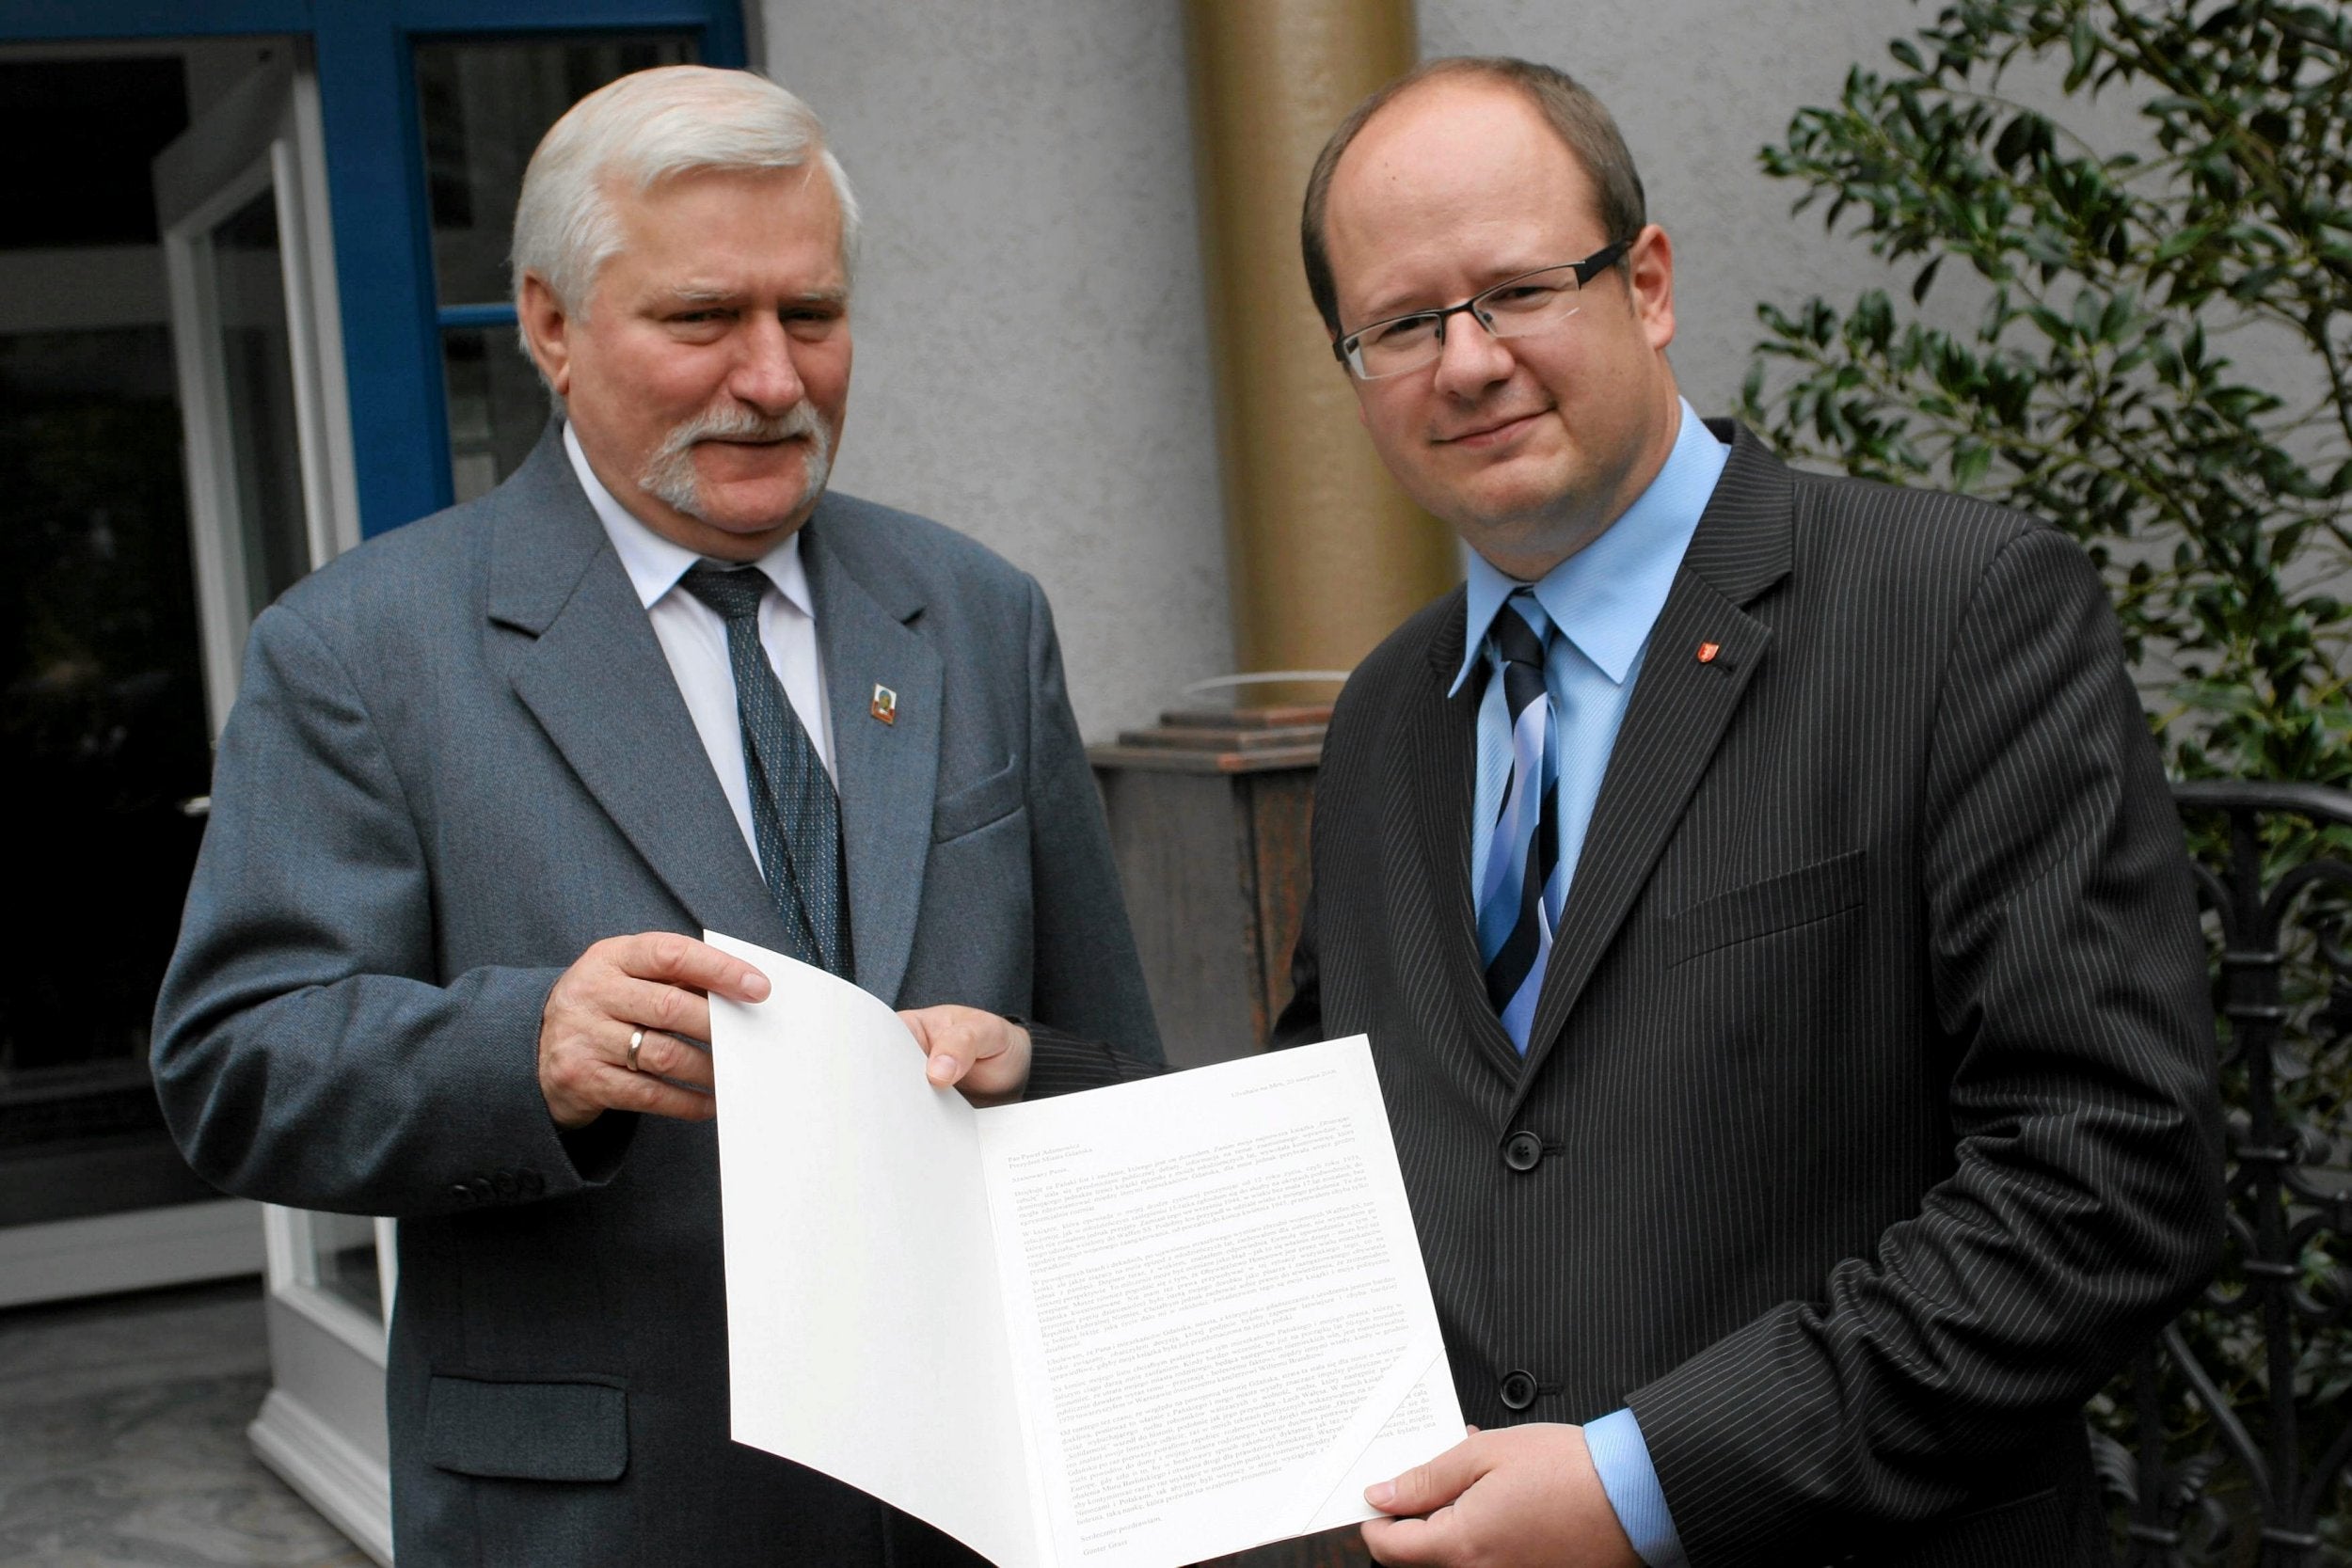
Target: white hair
647, 127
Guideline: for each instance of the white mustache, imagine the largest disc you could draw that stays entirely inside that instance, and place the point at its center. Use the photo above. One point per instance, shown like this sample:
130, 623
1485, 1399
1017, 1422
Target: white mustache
736, 423
670, 475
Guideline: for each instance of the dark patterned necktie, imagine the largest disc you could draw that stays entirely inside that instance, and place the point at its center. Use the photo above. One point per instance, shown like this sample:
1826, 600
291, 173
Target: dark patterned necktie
1514, 916
796, 818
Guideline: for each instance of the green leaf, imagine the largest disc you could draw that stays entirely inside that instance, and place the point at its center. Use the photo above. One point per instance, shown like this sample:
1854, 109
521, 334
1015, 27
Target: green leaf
1970, 460
2082, 50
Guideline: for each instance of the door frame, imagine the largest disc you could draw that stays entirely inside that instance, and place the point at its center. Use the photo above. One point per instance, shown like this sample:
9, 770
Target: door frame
321, 1427
265, 135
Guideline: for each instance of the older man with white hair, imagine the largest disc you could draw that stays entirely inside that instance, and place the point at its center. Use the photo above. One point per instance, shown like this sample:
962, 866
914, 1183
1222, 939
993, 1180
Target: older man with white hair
490, 773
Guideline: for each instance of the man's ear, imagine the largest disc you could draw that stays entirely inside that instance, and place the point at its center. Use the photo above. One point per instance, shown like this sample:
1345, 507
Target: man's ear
546, 326
1649, 271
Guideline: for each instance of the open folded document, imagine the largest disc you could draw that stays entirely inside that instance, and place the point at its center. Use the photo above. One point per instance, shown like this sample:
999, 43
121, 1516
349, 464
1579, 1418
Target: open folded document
1135, 1326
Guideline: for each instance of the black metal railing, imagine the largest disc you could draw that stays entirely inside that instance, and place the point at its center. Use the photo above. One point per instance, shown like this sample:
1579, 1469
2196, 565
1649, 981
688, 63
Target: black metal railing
2229, 1441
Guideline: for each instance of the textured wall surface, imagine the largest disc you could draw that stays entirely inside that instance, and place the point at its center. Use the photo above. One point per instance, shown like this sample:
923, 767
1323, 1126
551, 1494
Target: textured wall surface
1032, 362
1698, 86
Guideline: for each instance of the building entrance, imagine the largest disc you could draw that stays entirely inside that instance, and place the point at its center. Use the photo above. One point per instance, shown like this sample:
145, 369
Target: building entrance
105, 715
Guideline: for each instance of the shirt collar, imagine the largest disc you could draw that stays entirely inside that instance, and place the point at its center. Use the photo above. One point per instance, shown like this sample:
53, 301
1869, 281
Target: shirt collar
654, 563
1606, 596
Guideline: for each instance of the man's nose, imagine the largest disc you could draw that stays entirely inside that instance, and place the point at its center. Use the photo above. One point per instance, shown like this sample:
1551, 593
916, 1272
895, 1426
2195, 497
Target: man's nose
765, 376
1470, 358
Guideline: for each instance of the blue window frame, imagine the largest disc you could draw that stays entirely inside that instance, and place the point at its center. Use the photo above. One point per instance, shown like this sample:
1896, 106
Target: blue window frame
365, 52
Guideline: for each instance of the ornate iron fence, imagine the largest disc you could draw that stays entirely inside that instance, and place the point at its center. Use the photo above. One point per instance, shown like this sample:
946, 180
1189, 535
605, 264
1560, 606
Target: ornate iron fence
2229, 1441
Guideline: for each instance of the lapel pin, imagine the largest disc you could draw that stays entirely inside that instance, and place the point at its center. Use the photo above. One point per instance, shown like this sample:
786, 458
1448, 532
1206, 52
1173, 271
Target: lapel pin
1707, 656
886, 704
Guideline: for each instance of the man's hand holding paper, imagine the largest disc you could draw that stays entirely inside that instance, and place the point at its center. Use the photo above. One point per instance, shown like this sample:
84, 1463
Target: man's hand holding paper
1517, 1495
620, 1026
985, 1056
624, 1028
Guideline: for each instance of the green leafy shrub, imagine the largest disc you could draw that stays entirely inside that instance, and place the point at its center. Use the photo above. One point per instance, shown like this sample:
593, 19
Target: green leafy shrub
2150, 344
2162, 361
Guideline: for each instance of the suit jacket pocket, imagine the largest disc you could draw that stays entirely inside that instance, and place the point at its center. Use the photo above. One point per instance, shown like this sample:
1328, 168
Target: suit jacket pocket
566, 1430
977, 805
1777, 903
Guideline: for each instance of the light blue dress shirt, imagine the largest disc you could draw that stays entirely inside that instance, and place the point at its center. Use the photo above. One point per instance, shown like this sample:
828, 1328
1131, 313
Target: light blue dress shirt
1604, 599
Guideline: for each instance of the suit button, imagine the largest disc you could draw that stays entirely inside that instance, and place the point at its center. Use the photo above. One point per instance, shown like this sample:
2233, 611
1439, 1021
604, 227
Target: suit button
1523, 1151
481, 1190
462, 1193
1517, 1390
532, 1182
504, 1183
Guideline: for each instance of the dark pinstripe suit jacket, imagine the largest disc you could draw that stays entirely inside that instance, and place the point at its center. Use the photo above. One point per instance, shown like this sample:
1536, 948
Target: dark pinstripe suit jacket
1872, 1069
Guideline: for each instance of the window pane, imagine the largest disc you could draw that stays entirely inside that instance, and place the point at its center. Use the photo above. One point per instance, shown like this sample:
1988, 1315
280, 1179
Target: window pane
496, 405
483, 107
343, 1258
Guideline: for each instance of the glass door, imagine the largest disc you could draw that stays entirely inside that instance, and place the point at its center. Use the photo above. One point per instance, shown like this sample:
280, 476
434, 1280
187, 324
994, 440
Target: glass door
257, 335
240, 198
102, 733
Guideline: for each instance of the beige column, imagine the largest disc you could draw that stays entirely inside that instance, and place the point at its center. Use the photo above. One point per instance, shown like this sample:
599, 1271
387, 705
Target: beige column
1325, 554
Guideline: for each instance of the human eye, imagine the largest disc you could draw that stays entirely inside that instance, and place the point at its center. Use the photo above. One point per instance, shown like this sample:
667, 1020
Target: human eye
812, 320
1522, 294
1401, 332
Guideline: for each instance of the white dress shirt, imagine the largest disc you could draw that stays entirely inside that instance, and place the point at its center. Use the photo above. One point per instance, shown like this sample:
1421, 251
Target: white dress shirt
693, 637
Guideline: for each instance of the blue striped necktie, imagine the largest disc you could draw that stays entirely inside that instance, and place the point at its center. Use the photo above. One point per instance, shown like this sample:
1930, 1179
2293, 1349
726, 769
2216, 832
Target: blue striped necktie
796, 818
1514, 916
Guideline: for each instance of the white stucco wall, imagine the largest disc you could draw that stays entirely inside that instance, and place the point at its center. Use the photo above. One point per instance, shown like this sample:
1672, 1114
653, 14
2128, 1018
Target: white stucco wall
1698, 86
1032, 361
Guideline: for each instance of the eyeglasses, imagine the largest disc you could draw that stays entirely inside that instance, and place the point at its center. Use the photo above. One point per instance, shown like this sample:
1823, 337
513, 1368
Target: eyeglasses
1532, 302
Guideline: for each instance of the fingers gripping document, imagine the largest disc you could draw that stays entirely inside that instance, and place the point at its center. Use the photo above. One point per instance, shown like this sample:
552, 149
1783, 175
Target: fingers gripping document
1135, 1326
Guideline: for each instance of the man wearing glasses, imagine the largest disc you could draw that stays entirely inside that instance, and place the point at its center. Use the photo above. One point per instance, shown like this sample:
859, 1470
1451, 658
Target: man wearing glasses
1765, 904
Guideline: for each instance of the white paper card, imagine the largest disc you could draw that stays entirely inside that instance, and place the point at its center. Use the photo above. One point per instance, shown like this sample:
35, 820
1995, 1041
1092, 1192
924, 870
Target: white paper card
1135, 1326
866, 1335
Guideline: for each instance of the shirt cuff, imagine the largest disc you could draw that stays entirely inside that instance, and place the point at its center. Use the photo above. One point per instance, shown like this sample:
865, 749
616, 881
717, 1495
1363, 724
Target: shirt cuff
1622, 1459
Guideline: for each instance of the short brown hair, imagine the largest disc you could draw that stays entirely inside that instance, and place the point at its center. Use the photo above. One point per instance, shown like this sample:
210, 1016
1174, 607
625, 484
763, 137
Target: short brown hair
1578, 118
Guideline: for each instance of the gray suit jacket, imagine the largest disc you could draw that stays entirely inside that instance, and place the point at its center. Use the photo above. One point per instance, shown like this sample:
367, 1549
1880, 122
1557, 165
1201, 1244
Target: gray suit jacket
1868, 1120
458, 759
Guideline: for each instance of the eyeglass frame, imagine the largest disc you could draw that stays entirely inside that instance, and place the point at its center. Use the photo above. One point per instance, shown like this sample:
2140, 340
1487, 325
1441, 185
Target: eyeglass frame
1591, 267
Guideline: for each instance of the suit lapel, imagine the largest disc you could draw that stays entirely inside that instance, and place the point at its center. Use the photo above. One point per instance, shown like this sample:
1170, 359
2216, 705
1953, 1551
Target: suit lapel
1681, 706
888, 772
594, 677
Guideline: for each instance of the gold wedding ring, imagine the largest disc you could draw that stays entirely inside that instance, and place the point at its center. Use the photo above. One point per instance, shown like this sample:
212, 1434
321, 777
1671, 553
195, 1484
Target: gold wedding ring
636, 1038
